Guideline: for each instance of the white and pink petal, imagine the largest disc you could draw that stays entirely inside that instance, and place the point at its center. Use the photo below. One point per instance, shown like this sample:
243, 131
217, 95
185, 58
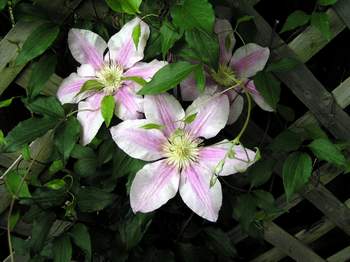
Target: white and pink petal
257, 97
145, 70
249, 59
86, 47
137, 141
226, 38
236, 106
241, 158
70, 87
90, 117
197, 193
189, 90
211, 115
129, 105
165, 110
122, 49
153, 186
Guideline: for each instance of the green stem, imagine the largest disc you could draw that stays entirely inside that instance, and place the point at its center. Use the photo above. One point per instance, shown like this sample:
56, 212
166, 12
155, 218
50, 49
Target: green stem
238, 137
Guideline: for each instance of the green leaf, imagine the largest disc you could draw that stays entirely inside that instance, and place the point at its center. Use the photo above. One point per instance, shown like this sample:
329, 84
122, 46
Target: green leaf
26, 153
2, 4
205, 46
261, 172
169, 36
125, 6
66, 136
152, 126
167, 77
47, 106
264, 200
245, 210
136, 33
106, 151
136, 79
283, 65
219, 242
324, 149
244, 19
37, 42
41, 73
81, 152
297, 169
268, 87
14, 219
26, 131
189, 119
41, 227
91, 199
56, 166
327, 2
193, 14
296, 19
86, 167
6, 102
199, 75
285, 142
55, 184
314, 131
107, 109
16, 185
322, 23
81, 238
62, 249
90, 85
133, 229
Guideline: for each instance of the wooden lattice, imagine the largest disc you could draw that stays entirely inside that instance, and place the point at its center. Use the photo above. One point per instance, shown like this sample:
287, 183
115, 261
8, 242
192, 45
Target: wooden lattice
324, 107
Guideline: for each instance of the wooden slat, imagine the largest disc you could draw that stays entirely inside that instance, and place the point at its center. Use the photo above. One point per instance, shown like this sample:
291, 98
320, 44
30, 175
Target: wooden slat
325, 201
306, 236
341, 256
303, 83
342, 7
289, 244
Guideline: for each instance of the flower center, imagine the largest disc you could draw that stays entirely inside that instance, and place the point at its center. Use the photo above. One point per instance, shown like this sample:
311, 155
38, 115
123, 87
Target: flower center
181, 149
110, 76
225, 76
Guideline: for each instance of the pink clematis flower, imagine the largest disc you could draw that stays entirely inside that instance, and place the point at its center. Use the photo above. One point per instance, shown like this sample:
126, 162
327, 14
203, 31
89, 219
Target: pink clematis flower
110, 70
234, 70
181, 161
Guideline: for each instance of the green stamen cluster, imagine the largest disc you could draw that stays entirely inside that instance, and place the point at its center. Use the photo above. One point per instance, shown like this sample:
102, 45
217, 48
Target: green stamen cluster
225, 76
181, 149
111, 77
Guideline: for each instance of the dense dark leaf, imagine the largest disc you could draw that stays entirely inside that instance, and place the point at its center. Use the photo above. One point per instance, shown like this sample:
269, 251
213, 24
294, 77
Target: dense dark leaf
16, 184
294, 20
169, 35
26, 131
205, 45
47, 106
86, 167
327, 2
199, 75
62, 249
220, 242
167, 77
245, 210
297, 169
41, 227
324, 149
2, 4
285, 142
81, 238
41, 72
125, 6
91, 199
193, 14
261, 172
286, 112
66, 136
322, 23
283, 65
37, 42
268, 87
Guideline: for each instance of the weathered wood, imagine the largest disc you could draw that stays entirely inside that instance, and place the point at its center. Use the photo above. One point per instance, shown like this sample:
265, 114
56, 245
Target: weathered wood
311, 40
326, 202
303, 83
289, 244
306, 236
342, 8
342, 256
9, 49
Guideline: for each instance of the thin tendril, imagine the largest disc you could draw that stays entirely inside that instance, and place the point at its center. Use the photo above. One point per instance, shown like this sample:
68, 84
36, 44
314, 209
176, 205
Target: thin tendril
246, 122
